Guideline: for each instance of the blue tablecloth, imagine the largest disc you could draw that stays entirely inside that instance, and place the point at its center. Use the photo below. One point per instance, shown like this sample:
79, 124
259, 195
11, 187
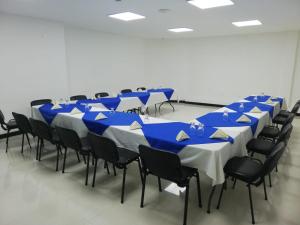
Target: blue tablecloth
143, 96
49, 114
248, 106
160, 135
167, 91
264, 99
217, 119
109, 103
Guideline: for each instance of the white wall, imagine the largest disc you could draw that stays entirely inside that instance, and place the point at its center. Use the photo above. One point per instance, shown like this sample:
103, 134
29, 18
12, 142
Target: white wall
103, 62
223, 69
32, 62
40, 59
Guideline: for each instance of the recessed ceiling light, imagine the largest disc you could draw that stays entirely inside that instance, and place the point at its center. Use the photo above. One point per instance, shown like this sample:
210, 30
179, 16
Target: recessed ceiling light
206, 4
247, 23
127, 16
180, 30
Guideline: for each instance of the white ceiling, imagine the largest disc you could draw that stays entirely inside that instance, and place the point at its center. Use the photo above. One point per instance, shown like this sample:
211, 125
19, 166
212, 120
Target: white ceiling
276, 15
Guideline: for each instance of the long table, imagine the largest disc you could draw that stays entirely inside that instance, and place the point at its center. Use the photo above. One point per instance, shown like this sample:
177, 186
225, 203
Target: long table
206, 154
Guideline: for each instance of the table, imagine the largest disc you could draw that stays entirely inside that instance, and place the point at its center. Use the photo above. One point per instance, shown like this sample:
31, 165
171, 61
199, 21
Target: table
208, 155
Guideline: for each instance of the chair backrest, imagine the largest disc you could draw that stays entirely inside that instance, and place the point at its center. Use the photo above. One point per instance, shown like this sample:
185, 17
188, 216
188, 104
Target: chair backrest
288, 120
41, 129
296, 107
163, 164
69, 138
285, 134
103, 148
78, 97
23, 123
124, 91
2, 118
141, 88
40, 102
101, 94
273, 159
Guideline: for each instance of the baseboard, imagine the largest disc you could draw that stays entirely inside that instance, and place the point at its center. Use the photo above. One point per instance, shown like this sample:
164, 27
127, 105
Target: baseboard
15, 133
199, 103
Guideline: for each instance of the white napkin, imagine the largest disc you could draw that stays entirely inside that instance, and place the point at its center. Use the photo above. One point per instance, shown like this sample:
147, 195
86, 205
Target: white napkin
255, 110
219, 134
135, 125
243, 119
75, 111
269, 101
56, 106
181, 136
100, 116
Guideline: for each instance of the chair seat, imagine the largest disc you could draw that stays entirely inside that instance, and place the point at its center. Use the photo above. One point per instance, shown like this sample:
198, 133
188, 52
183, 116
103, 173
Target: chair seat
284, 113
243, 168
261, 146
187, 173
280, 119
126, 156
11, 124
270, 132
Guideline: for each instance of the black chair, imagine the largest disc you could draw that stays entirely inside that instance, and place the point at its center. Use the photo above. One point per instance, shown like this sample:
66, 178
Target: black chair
40, 102
273, 132
167, 166
78, 97
141, 88
124, 91
101, 95
252, 172
106, 149
24, 127
266, 146
69, 139
44, 132
283, 116
7, 126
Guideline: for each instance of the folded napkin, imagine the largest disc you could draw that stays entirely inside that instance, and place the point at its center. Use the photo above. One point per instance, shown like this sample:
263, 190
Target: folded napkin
269, 101
56, 106
181, 136
195, 122
135, 125
75, 111
255, 110
243, 119
219, 134
100, 116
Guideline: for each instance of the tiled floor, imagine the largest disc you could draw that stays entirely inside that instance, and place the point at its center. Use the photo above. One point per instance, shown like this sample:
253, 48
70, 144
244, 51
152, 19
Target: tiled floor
33, 193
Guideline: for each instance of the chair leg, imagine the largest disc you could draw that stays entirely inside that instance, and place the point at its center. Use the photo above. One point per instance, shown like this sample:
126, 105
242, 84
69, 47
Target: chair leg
186, 204
84, 159
199, 190
28, 140
114, 168
7, 138
266, 196
22, 143
37, 148
276, 168
210, 198
270, 180
87, 169
221, 194
234, 183
143, 190
57, 156
64, 163
78, 156
123, 184
41, 147
95, 170
251, 204
106, 166
140, 169
159, 184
